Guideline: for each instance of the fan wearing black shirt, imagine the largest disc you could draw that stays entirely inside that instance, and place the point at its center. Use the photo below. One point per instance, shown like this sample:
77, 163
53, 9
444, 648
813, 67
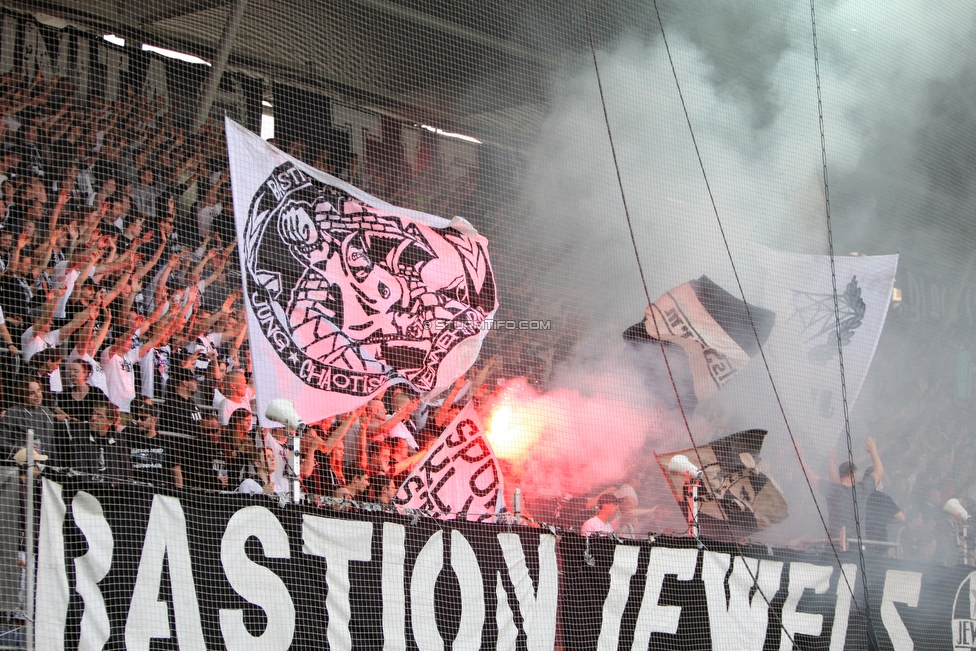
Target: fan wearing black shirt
880, 511
203, 455
101, 454
179, 413
79, 401
155, 459
205, 458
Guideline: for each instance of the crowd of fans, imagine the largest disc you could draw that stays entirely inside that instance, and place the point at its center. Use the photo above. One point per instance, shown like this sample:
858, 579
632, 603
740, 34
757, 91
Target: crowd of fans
928, 455
125, 347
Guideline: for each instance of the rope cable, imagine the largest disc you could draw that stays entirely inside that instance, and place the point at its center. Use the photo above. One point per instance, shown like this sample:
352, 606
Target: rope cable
633, 240
836, 301
630, 228
738, 281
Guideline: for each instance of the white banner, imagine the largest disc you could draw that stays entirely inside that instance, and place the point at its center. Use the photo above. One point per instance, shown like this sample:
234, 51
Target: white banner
459, 477
346, 294
802, 348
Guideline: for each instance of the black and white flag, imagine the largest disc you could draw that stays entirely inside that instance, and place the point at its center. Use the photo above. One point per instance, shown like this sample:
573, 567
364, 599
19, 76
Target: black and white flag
346, 294
812, 329
737, 497
707, 333
459, 478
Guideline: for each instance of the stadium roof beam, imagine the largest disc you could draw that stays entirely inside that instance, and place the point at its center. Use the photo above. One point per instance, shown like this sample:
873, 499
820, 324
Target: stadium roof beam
219, 62
169, 10
137, 20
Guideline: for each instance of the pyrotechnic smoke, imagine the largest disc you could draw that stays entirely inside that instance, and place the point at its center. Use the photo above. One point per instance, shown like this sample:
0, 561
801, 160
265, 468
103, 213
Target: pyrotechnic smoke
586, 432
896, 79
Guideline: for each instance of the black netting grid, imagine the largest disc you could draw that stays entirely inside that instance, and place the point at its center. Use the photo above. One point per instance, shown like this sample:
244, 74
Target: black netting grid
693, 281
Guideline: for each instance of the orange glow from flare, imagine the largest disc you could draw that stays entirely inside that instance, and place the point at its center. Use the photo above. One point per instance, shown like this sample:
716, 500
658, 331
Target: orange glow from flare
512, 432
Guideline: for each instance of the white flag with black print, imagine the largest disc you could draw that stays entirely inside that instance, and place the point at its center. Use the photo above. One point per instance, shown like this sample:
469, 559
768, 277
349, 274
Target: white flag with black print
804, 347
346, 294
459, 477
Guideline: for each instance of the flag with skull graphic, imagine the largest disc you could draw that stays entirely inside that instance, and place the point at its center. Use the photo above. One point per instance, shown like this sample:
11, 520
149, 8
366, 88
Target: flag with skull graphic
346, 294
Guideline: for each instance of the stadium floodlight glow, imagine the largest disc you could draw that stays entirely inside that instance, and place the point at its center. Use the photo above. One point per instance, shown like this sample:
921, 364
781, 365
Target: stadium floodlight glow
173, 54
448, 134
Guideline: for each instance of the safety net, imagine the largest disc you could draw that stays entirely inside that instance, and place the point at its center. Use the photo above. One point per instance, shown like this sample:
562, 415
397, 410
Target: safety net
416, 324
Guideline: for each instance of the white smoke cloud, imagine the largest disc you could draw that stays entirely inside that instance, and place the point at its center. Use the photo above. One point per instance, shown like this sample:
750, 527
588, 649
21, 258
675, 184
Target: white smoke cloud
747, 74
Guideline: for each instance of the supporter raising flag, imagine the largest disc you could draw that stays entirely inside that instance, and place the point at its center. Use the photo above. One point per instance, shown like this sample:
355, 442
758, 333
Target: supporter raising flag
737, 498
346, 294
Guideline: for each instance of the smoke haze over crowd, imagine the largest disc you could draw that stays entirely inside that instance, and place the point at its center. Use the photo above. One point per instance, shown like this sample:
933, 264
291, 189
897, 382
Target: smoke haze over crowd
898, 86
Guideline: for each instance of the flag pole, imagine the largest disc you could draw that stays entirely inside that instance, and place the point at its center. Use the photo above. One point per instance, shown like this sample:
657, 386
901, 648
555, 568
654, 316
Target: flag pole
29, 545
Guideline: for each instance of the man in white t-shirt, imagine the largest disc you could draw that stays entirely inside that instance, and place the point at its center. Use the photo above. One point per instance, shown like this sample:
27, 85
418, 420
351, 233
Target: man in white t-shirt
238, 396
276, 458
5, 336
40, 337
118, 359
600, 523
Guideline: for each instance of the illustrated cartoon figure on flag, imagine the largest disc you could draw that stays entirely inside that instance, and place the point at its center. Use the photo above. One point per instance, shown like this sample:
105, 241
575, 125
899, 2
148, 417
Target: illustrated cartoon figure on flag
346, 294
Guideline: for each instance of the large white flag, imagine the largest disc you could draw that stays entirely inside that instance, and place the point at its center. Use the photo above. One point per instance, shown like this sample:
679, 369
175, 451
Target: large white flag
346, 294
803, 346
459, 477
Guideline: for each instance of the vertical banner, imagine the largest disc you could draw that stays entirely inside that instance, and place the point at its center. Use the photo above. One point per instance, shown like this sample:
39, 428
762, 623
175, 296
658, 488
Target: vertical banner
459, 477
804, 341
346, 294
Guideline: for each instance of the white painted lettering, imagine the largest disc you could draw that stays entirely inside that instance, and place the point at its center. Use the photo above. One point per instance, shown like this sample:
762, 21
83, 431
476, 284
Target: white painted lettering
624, 566
654, 618
504, 618
423, 619
802, 577
116, 62
52, 576
256, 583
8, 34
394, 606
148, 617
34, 54
92, 568
846, 583
155, 84
902, 587
339, 542
739, 623
538, 606
465, 566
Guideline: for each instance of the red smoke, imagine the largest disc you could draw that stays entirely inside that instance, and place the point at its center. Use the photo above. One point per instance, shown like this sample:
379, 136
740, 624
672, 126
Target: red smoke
563, 441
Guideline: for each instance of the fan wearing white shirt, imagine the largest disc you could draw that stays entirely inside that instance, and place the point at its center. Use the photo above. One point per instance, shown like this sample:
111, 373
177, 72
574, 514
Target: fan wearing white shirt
88, 342
117, 360
5, 335
238, 396
39, 336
